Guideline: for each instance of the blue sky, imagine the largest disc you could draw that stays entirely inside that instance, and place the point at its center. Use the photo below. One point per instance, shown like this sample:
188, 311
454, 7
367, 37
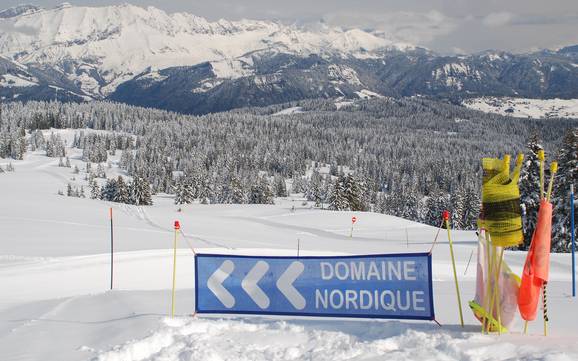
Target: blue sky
446, 26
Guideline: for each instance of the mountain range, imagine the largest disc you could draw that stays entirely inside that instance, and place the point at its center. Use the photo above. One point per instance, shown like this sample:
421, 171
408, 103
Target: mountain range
185, 63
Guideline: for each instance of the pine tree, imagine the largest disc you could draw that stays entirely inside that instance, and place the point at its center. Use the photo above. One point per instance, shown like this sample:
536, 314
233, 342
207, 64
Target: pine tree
69, 191
55, 146
267, 192
314, 189
280, 187
122, 193
337, 196
95, 191
140, 192
296, 184
354, 193
333, 170
530, 189
471, 210
260, 192
435, 205
37, 140
237, 192
184, 193
567, 174
408, 204
109, 190
205, 191
458, 201
100, 173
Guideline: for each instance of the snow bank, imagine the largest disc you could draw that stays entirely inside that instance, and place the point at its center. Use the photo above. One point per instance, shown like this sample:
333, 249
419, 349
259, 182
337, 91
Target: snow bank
228, 339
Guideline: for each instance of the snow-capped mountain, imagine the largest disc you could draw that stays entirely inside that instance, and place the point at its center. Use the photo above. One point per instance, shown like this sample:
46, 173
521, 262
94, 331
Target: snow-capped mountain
186, 63
278, 78
101, 47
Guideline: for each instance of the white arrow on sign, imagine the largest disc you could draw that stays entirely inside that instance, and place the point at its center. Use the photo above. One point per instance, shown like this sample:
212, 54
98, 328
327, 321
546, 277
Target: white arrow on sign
285, 284
250, 286
215, 283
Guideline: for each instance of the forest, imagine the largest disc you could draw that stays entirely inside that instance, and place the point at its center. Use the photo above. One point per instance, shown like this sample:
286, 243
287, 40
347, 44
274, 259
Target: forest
408, 157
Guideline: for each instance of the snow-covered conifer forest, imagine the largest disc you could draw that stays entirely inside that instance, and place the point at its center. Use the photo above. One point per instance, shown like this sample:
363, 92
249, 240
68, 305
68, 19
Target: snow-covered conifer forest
409, 157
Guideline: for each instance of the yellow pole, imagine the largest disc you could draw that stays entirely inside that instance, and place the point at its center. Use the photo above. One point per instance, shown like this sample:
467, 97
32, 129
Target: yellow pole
545, 310
525, 327
492, 288
488, 277
446, 219
553, 170
497, 291
177, 227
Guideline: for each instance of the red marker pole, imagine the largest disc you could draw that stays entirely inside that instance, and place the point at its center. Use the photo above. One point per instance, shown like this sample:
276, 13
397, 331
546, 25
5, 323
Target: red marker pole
111, 247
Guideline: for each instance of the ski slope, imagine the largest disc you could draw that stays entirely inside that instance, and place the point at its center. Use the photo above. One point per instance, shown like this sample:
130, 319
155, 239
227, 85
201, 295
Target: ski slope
54, 275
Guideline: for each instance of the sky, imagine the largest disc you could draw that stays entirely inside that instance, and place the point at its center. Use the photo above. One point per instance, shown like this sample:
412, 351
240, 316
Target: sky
445, 26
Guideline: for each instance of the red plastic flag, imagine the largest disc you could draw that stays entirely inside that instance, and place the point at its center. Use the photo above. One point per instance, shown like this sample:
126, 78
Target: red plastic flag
537, 266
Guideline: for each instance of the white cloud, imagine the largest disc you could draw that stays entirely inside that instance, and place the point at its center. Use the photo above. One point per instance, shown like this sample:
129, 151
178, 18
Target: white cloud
495, 20
413, 27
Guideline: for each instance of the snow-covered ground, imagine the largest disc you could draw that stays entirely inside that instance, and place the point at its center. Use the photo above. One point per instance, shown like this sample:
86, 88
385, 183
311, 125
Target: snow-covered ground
525, 108
288, 111
54, 276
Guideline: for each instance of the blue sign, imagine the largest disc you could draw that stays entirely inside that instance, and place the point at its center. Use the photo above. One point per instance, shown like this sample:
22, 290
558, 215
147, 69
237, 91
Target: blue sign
396, 286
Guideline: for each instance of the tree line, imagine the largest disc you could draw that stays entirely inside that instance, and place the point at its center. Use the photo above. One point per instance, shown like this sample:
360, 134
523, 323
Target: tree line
409, 157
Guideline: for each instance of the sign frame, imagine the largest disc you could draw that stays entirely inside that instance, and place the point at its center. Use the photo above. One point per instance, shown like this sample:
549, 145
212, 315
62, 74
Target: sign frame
431, 317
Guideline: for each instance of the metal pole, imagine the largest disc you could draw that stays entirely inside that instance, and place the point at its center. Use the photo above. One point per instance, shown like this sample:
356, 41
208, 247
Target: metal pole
111, 248
573, 240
